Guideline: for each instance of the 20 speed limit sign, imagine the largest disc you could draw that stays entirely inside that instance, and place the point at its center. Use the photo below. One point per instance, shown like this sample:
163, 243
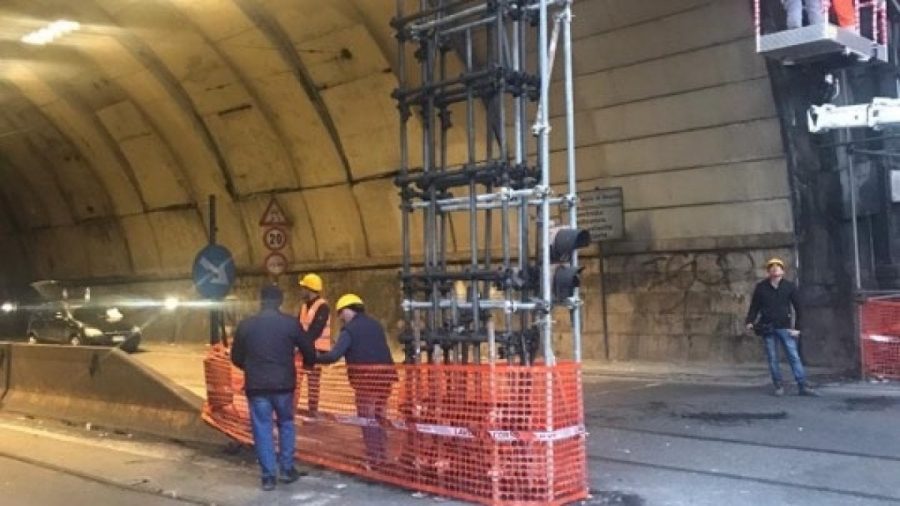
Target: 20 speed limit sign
275, 238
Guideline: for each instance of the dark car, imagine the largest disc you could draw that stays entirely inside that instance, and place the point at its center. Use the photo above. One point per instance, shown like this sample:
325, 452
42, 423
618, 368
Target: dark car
89, 324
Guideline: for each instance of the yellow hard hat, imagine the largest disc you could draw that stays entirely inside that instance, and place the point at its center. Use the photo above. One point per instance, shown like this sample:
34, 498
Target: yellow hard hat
774, 261
347, 301
311, 282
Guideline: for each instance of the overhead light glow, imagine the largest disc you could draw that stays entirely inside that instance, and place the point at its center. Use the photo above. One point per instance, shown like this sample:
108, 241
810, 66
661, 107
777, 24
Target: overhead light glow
51, 32
8, 307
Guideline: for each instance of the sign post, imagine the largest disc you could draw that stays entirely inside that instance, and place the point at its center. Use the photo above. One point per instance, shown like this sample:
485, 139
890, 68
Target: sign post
213, 273
601, 212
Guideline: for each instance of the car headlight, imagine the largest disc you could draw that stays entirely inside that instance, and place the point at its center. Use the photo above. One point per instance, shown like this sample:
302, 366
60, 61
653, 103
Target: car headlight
92, 332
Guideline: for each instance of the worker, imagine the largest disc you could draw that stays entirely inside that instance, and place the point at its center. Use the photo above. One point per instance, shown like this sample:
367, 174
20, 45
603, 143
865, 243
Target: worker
370, 369
264, 348
315, 319
770, 317
844, 11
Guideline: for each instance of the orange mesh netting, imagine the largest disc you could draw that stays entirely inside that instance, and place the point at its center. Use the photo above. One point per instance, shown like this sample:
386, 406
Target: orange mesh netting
880, 338
494, 435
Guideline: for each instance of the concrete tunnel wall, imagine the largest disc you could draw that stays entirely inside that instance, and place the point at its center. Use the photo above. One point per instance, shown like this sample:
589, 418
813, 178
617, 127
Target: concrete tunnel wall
113, 141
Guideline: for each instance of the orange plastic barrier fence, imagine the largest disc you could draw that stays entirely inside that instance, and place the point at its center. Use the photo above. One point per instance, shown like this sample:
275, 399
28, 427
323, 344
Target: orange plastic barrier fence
493, 435
880, 339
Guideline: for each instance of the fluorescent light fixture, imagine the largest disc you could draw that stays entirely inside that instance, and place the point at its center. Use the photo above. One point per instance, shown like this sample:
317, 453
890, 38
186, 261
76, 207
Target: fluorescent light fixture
171, 303
51, 32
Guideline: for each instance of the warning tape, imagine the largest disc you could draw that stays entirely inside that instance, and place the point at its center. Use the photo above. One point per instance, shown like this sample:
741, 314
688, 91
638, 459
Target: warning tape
500, 436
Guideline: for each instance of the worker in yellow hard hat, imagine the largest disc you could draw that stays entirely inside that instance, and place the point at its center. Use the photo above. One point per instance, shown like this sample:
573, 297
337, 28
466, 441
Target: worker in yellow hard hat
775, 316
370, 369
315, 320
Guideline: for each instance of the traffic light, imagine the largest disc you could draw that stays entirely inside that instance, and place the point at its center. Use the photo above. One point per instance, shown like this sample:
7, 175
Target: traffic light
564, 242
565, 280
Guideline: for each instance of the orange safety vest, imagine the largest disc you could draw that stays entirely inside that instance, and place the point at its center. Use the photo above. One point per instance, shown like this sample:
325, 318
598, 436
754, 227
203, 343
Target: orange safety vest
323, 342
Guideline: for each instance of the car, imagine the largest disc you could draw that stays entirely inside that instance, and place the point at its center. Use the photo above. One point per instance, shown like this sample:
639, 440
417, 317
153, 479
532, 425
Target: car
86, 324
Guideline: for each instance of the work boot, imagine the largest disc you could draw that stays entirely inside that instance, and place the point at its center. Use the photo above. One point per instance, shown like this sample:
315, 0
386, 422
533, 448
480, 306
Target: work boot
779, 391
291, 475
268, 484
807, 391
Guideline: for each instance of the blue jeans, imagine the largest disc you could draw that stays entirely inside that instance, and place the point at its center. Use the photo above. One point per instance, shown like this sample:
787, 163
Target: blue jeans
793, 355
371, 402
795, 8
261, 408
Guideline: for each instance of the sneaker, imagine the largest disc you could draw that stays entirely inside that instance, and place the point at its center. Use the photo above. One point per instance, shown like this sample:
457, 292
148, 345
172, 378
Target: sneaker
779, 391
268, 484
292, 475
806, 391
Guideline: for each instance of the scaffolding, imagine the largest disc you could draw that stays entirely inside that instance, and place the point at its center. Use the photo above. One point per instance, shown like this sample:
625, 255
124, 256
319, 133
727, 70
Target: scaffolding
497, 305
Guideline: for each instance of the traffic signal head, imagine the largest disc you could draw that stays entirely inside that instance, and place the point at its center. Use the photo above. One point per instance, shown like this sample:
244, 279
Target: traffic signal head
565, 280
564, 241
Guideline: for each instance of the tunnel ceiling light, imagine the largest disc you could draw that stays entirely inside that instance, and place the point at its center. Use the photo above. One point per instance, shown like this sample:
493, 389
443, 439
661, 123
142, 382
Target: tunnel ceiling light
51, 32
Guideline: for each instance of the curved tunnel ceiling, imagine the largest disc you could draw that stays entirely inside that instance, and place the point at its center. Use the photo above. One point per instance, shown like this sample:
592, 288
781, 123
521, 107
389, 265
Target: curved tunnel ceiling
118, 132
112, 137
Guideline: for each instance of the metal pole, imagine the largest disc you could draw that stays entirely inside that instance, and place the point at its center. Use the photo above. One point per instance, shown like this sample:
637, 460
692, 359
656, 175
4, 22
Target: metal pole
214, 335
543, 130
570, 166
404, 171
854, 224
473, 210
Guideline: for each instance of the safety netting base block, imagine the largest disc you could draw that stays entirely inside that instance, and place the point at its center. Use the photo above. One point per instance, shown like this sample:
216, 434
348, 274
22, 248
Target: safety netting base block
880, 339
497, 434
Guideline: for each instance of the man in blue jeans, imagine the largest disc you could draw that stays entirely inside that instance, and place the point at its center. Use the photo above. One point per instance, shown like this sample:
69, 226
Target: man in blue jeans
770, 317
264, 347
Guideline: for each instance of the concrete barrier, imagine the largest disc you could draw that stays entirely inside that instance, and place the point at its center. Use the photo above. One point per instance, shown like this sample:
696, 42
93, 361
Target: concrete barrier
101, 386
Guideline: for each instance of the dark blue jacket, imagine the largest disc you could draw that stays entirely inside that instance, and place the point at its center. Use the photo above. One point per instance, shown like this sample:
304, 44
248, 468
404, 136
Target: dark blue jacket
362, 341
264, 347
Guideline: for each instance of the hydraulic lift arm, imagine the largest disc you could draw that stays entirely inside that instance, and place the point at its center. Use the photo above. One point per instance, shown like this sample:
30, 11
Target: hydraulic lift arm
880, 113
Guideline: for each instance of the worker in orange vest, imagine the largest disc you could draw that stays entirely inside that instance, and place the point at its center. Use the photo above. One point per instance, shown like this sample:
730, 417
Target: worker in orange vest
315, 320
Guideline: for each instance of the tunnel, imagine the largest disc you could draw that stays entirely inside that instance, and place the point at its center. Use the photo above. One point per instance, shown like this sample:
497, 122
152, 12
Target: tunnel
115, 136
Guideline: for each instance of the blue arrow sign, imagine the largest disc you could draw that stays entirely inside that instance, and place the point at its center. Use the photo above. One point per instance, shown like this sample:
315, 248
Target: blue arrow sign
214, 271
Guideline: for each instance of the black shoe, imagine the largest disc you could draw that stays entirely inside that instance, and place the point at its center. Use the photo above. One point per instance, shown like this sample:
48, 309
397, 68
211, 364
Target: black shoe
806, 391
291, 475
268, 484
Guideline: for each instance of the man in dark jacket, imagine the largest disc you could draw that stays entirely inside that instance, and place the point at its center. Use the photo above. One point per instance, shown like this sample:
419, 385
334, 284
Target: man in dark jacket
264, 347
770, 317
370, 369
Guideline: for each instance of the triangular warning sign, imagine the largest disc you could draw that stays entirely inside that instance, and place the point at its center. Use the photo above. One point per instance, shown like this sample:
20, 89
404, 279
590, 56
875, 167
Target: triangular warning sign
274, 215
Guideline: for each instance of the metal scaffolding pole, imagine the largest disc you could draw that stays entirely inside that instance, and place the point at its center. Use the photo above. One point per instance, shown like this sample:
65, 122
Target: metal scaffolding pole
497, 180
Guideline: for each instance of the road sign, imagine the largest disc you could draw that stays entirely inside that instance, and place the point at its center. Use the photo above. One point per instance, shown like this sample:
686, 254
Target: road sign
600, 211
275, 238
214, 271
276, 264
274, 215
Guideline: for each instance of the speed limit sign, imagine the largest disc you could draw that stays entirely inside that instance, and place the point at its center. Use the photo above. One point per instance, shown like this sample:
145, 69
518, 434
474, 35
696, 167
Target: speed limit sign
275, 238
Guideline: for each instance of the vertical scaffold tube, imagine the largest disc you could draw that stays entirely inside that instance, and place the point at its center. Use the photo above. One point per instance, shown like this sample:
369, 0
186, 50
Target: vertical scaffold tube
570, 167
404, 172
543, 130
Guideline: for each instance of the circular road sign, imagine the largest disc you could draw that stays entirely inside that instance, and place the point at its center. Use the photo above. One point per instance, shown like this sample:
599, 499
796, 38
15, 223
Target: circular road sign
214, 271
275, 238
276, 263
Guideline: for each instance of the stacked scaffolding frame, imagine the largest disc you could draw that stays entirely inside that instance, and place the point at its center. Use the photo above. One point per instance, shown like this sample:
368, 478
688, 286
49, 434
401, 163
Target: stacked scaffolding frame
497, 305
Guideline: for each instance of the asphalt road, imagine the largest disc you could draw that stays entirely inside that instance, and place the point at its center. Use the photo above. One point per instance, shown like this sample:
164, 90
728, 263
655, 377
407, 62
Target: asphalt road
653, 441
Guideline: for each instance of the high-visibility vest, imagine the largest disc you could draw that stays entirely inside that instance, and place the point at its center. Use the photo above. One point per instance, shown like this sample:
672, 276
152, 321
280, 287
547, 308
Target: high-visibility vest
323, 342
